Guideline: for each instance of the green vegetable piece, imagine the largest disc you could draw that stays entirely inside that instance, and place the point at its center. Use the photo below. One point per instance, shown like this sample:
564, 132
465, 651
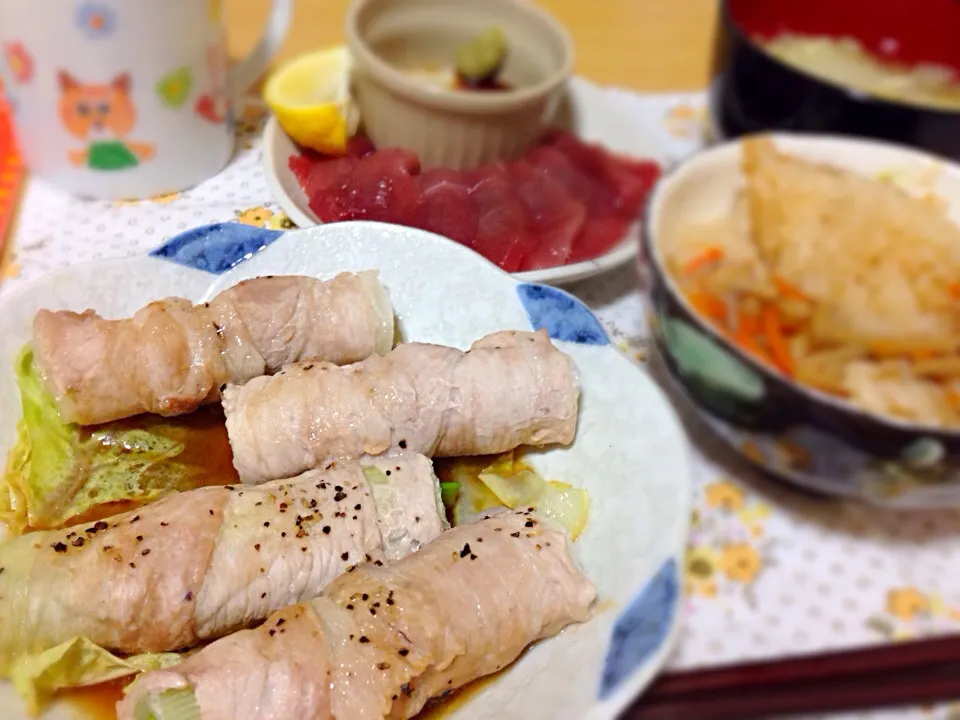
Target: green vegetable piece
481, 58
449, 492
375, 476
175, 704
57, 471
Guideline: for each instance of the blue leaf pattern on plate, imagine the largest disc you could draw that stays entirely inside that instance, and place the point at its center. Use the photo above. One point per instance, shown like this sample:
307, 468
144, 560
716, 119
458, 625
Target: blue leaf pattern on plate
216, 248
641, 628
561, 315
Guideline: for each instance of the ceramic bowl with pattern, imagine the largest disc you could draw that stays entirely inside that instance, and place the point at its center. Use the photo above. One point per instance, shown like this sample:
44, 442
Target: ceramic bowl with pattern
630, 452
807, 437
753, 90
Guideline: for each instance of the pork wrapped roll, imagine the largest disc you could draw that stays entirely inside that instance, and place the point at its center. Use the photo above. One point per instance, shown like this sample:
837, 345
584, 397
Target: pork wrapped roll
200, 564
172, 356
509, 389
381, 641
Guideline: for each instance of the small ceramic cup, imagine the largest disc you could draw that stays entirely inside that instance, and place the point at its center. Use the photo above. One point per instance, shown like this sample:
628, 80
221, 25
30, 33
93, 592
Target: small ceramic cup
449, 127
115, 100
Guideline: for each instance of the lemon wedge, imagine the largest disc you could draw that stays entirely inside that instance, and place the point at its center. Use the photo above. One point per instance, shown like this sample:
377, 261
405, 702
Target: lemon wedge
310, 98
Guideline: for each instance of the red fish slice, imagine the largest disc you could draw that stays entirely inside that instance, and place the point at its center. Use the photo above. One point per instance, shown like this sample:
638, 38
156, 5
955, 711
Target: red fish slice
564, 201
556, 216
631, 178
504, 234
606, 220
445, 206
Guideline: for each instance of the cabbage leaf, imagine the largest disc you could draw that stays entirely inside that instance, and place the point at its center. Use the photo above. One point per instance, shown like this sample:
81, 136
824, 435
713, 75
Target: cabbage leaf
58, 472
76, 663
506, 481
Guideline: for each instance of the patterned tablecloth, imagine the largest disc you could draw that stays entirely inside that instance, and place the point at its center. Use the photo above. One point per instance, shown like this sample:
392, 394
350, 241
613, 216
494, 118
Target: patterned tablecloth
769, 571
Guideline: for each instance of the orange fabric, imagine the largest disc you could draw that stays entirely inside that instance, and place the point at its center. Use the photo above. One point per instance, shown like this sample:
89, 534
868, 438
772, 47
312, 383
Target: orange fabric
11, 177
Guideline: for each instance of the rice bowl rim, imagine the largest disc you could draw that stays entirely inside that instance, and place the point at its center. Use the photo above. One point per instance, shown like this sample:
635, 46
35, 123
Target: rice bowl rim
728, 153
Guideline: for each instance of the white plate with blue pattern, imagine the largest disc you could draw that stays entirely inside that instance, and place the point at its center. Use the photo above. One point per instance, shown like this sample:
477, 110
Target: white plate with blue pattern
630, 451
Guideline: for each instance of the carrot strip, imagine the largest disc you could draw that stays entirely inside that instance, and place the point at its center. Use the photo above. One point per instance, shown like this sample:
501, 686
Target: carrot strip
788, 289
749, 324
708, 305
954, 290
953, 398
773, 334
743, 335
749, 343
710, 254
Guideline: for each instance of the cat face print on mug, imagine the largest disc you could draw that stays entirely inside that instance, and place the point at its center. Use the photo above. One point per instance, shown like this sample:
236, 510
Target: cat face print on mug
117, 100
101, 117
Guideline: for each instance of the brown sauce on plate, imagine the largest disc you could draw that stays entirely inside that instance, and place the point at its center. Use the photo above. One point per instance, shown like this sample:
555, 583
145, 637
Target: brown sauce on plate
209, 446
206, 446
97, 702
441, 708
205, 440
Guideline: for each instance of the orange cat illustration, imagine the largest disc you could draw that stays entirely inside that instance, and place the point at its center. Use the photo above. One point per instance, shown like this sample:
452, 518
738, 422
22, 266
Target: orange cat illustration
101, 116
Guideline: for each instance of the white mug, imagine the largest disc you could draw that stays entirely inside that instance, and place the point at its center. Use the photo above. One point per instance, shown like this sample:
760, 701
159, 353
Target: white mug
123, 99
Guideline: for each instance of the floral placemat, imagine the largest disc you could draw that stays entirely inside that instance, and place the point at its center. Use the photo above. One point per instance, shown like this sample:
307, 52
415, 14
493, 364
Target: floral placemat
769, 572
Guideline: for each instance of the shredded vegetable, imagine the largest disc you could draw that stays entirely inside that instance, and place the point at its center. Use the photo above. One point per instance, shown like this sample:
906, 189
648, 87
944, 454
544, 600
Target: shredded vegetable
709, 254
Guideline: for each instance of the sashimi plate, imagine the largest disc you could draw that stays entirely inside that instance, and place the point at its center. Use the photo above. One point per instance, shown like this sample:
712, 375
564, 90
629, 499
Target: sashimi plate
593, 113
630, 452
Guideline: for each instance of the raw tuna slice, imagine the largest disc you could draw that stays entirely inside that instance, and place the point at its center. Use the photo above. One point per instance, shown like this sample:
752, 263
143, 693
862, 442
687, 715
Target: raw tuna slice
380, 186
556, 216
359, 146
605, 224
445, 206
326, 183
647, 171
599, 198
300, 167
598, 237
503, 231
631, 179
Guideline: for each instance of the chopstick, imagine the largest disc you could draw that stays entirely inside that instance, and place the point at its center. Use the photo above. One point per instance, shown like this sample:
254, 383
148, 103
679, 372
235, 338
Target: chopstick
907, 673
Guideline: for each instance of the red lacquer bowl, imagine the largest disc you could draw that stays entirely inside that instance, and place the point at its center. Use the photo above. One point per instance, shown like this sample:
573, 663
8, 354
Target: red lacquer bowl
752, 91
